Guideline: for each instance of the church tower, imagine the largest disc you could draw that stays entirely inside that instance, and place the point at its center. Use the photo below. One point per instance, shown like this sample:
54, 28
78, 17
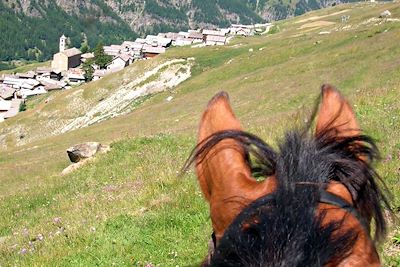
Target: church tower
63, 43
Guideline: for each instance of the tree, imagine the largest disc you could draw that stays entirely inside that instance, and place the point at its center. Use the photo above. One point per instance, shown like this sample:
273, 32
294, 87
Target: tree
87, 67
84, 48
100, 58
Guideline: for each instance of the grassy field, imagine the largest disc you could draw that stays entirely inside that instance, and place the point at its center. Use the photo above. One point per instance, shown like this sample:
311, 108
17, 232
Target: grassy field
129, 206
22, 67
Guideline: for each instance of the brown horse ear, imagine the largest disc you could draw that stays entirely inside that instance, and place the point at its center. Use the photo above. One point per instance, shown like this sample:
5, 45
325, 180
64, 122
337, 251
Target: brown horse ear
224, 175
336, 115
218, 116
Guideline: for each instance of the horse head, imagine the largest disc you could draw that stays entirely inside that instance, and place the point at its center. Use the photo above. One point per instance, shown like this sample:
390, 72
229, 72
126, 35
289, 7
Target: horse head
310, 203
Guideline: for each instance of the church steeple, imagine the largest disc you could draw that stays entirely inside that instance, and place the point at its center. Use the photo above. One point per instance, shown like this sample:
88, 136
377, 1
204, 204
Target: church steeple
63, 43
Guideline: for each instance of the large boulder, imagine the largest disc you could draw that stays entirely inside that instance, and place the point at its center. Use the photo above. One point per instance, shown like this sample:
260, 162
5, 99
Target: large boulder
82, 153
79, 152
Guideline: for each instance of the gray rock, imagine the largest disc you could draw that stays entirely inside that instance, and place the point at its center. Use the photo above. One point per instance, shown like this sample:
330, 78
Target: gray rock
385, 14
83, 151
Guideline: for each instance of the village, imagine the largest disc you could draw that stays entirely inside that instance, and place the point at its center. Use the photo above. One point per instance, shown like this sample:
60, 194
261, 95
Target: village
66, 67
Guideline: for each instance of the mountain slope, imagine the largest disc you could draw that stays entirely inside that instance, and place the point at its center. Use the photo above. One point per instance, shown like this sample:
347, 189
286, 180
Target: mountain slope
31, 28
129, 207
35, 35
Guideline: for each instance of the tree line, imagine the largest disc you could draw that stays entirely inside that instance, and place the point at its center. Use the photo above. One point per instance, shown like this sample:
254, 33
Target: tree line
37, 38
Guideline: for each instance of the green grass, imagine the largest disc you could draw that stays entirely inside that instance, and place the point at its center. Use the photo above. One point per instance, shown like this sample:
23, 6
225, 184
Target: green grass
129, 207
157, 215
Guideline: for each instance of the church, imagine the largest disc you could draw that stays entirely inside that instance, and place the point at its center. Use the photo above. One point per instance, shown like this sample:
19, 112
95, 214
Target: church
66, 58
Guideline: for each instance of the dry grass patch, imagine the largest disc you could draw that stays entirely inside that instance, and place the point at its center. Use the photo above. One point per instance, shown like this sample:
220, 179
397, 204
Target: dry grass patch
323, 16
316, 24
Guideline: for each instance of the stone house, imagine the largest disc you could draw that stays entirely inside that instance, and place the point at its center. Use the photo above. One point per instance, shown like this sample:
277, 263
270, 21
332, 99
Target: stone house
213, 32
152, 51
47, 73
9, 108
196, 37
75, 76
14, 108
98, 74
119, 62
215, 40
112, 50
85, 57
6, 92
182, 41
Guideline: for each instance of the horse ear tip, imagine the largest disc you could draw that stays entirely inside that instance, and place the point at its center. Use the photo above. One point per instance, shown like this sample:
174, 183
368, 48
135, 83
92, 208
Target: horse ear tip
220, 95
223, 94
325, 88
329, 90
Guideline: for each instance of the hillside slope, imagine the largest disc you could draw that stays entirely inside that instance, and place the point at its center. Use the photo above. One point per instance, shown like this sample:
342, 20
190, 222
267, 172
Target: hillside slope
128, 206
30, 29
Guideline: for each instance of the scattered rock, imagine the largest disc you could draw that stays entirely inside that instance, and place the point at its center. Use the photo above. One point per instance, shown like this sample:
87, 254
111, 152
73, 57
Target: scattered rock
169, 98
251, 50
229, 61
57, 220
385, 14
83, 151
40, 237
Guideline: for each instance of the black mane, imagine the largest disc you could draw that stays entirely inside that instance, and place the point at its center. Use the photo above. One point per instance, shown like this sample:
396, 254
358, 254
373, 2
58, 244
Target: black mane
287, 231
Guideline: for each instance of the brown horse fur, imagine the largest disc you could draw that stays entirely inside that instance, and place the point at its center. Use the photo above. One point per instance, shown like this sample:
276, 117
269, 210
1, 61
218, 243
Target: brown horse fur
226, 159
225, 175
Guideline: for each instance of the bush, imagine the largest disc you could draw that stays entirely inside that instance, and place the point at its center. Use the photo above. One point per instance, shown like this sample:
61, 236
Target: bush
22, 106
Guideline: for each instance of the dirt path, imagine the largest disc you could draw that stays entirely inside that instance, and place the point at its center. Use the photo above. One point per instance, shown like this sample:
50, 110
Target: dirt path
320, 17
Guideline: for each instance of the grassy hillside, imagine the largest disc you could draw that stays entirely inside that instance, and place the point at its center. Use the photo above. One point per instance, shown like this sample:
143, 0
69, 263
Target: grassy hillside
23, 66
129, 207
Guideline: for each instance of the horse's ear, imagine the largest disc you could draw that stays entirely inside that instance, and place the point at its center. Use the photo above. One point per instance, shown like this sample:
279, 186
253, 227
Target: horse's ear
224, 174
218, 116
336, 115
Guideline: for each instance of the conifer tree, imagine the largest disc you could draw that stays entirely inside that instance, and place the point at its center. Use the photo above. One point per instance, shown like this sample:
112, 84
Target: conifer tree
100, 58
88, 69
